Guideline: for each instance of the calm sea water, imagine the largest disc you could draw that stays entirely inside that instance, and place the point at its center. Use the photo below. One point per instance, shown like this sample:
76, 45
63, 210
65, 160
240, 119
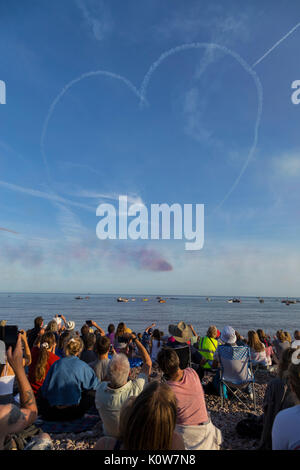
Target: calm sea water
21, 309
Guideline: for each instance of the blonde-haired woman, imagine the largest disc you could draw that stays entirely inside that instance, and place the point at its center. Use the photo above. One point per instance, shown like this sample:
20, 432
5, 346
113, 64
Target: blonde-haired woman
147, 422
69, 388
43, 356
257, 350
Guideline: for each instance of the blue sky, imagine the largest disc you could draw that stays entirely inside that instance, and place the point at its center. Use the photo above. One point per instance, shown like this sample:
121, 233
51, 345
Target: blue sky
74, 133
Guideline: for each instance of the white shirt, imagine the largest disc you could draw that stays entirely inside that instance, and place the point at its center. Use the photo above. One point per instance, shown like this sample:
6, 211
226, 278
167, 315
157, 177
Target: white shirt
109, 402
286, 429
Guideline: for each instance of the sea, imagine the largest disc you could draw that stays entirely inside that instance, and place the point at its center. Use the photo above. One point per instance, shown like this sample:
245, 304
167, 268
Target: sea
21, 308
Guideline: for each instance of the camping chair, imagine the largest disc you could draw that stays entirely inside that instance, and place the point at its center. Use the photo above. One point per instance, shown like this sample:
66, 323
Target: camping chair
184, 354
236, 372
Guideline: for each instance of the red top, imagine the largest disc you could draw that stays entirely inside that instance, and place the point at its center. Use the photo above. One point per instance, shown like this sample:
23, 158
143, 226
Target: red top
31, 370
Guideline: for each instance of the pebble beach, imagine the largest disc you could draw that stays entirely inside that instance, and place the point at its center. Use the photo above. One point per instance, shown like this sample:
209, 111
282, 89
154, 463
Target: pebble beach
225, 419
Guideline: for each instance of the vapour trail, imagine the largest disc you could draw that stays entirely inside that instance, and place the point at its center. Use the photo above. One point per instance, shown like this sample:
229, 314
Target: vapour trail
61, 94
276, 44
246, 67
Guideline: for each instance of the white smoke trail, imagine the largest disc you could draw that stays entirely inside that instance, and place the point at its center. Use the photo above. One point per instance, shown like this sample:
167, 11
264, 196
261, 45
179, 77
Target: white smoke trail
246, 67
276, 45
61, 94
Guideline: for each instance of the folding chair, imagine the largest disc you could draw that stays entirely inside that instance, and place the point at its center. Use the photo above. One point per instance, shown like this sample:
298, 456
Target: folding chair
236, 372
184, 354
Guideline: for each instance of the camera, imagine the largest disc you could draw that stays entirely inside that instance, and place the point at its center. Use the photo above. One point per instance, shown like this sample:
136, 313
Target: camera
9, 335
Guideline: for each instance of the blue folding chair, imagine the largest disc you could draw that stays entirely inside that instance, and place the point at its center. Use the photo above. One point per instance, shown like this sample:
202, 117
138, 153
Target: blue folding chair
236, 373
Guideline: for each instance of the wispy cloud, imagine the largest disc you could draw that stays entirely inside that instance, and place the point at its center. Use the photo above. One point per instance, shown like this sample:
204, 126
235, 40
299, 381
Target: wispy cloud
287, 165
44, 195
97, 17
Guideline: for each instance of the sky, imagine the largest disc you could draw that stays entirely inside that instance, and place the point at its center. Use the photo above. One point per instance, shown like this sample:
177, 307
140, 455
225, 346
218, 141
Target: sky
165, 102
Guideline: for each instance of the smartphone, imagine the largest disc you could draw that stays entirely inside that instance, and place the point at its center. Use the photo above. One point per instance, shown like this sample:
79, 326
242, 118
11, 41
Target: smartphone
9, 334
89, 322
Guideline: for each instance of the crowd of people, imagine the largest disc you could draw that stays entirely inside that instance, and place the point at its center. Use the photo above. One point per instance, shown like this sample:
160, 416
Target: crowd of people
59, 374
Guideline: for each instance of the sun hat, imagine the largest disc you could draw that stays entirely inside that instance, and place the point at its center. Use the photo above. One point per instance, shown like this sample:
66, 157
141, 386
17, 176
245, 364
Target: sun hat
228, 335
70, 325
181, 332
2, 353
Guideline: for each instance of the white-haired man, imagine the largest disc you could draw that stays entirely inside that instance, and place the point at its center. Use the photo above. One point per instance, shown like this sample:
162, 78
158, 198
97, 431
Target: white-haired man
111, 395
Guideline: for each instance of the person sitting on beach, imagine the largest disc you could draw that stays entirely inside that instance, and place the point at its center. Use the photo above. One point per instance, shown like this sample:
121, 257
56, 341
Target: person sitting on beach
147, 422
111, 333
286, 427
193, 421
8, 386
296, 343
38, 329
278, 396
100, 365
264, 338
53, 327
88, 354
240, 340
13, 418
69, 388
228, 339
111, 395
181, 336
280, 343
257, 350
155, 345
207, 346
146, 338
122, 332
43, 356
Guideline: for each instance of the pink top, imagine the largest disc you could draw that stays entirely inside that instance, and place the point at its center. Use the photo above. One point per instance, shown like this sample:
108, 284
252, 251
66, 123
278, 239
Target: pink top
191, 405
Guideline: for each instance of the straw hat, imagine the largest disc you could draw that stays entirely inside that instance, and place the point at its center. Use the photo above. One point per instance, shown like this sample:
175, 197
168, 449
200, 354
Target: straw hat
181, 332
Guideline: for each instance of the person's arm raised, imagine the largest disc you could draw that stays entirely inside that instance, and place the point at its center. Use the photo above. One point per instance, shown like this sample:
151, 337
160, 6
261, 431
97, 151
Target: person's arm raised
16, 419
27, 353
147, 363
101, 331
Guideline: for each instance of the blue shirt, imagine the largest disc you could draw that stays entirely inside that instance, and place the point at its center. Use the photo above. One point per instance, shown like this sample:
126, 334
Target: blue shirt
65, 381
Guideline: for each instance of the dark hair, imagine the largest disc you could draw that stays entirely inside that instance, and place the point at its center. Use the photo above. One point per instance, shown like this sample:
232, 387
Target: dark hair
102, 345
89, 340
156, 335
111, 328
297, 334
168, 361
38, 321
85, 329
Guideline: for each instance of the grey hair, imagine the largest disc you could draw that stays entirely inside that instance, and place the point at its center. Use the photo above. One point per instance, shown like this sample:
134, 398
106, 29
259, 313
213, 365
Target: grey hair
118, 370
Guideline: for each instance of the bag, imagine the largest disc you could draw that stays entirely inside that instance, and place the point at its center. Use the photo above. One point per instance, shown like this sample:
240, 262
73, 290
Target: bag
250, 427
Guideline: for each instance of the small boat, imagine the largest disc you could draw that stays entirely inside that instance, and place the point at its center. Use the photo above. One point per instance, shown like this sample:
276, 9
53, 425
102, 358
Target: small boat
234, 301
132, 300
122, 299
288, 302
208, 299
79, 298
261, 301
161, 301
87, 297
145, 300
